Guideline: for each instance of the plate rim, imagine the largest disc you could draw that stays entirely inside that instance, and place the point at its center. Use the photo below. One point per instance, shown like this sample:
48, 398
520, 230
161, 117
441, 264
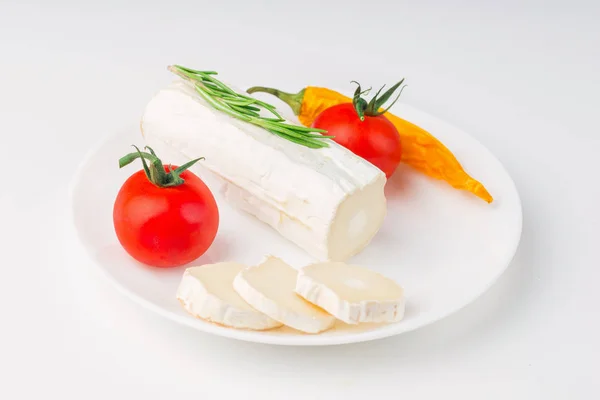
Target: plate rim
285, 340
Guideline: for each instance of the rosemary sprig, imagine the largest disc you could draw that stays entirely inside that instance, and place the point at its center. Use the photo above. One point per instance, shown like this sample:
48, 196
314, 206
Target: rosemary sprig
247, 108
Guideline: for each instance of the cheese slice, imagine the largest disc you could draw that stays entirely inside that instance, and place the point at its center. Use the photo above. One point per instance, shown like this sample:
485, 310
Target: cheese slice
351, 293
328, 201
269, 288
207, 292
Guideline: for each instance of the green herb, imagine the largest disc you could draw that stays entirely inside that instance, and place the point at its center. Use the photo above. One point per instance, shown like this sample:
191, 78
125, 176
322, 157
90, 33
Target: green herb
374, 107
247, 108
156, 171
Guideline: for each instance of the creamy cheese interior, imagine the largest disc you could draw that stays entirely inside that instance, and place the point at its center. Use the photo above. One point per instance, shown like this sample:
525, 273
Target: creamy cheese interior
358, 219
218, 281
277, 281
353, 283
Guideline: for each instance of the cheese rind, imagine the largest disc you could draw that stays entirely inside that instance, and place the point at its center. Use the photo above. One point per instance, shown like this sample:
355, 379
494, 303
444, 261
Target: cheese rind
351, 293
269, 288
328, 201
207, 292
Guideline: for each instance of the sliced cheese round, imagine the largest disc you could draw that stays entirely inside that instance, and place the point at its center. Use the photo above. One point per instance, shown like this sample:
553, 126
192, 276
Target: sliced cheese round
351, 293
269, 287
207, 292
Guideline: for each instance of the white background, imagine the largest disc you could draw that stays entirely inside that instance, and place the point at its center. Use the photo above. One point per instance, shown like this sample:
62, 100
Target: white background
522, 77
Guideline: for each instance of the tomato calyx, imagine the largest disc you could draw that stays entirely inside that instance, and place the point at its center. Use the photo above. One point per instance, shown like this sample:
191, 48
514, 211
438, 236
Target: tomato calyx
374, 108
155, 172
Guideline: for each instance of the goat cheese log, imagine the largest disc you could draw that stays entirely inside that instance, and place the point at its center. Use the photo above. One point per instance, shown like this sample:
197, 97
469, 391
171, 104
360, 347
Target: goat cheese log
328, 201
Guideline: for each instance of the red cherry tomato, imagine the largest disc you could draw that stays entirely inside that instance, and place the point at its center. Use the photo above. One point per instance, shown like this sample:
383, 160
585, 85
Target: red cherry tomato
165, 226
375, 139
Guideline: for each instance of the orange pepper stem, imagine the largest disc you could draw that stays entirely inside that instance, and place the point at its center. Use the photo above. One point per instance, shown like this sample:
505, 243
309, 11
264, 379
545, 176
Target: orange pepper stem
294, 100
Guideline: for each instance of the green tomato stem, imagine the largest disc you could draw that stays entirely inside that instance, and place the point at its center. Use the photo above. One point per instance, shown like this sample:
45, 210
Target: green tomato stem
374, 107
155, 172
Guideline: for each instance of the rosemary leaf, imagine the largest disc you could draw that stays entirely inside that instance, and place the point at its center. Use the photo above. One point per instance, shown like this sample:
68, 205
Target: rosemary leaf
247, 108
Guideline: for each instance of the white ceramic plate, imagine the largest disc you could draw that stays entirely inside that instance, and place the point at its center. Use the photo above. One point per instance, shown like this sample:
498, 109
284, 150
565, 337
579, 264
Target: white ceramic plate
445, 246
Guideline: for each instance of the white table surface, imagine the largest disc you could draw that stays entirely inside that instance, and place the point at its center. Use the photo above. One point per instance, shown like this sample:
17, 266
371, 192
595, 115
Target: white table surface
523, 79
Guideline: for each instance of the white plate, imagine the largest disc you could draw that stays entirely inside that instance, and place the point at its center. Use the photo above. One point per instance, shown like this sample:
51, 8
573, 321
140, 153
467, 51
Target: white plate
445, 246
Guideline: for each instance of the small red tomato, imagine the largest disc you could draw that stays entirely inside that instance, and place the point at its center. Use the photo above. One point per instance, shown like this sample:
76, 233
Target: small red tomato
364, 130
164, 216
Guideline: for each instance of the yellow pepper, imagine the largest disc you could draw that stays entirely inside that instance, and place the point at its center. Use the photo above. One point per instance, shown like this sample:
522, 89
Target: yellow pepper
420, 149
